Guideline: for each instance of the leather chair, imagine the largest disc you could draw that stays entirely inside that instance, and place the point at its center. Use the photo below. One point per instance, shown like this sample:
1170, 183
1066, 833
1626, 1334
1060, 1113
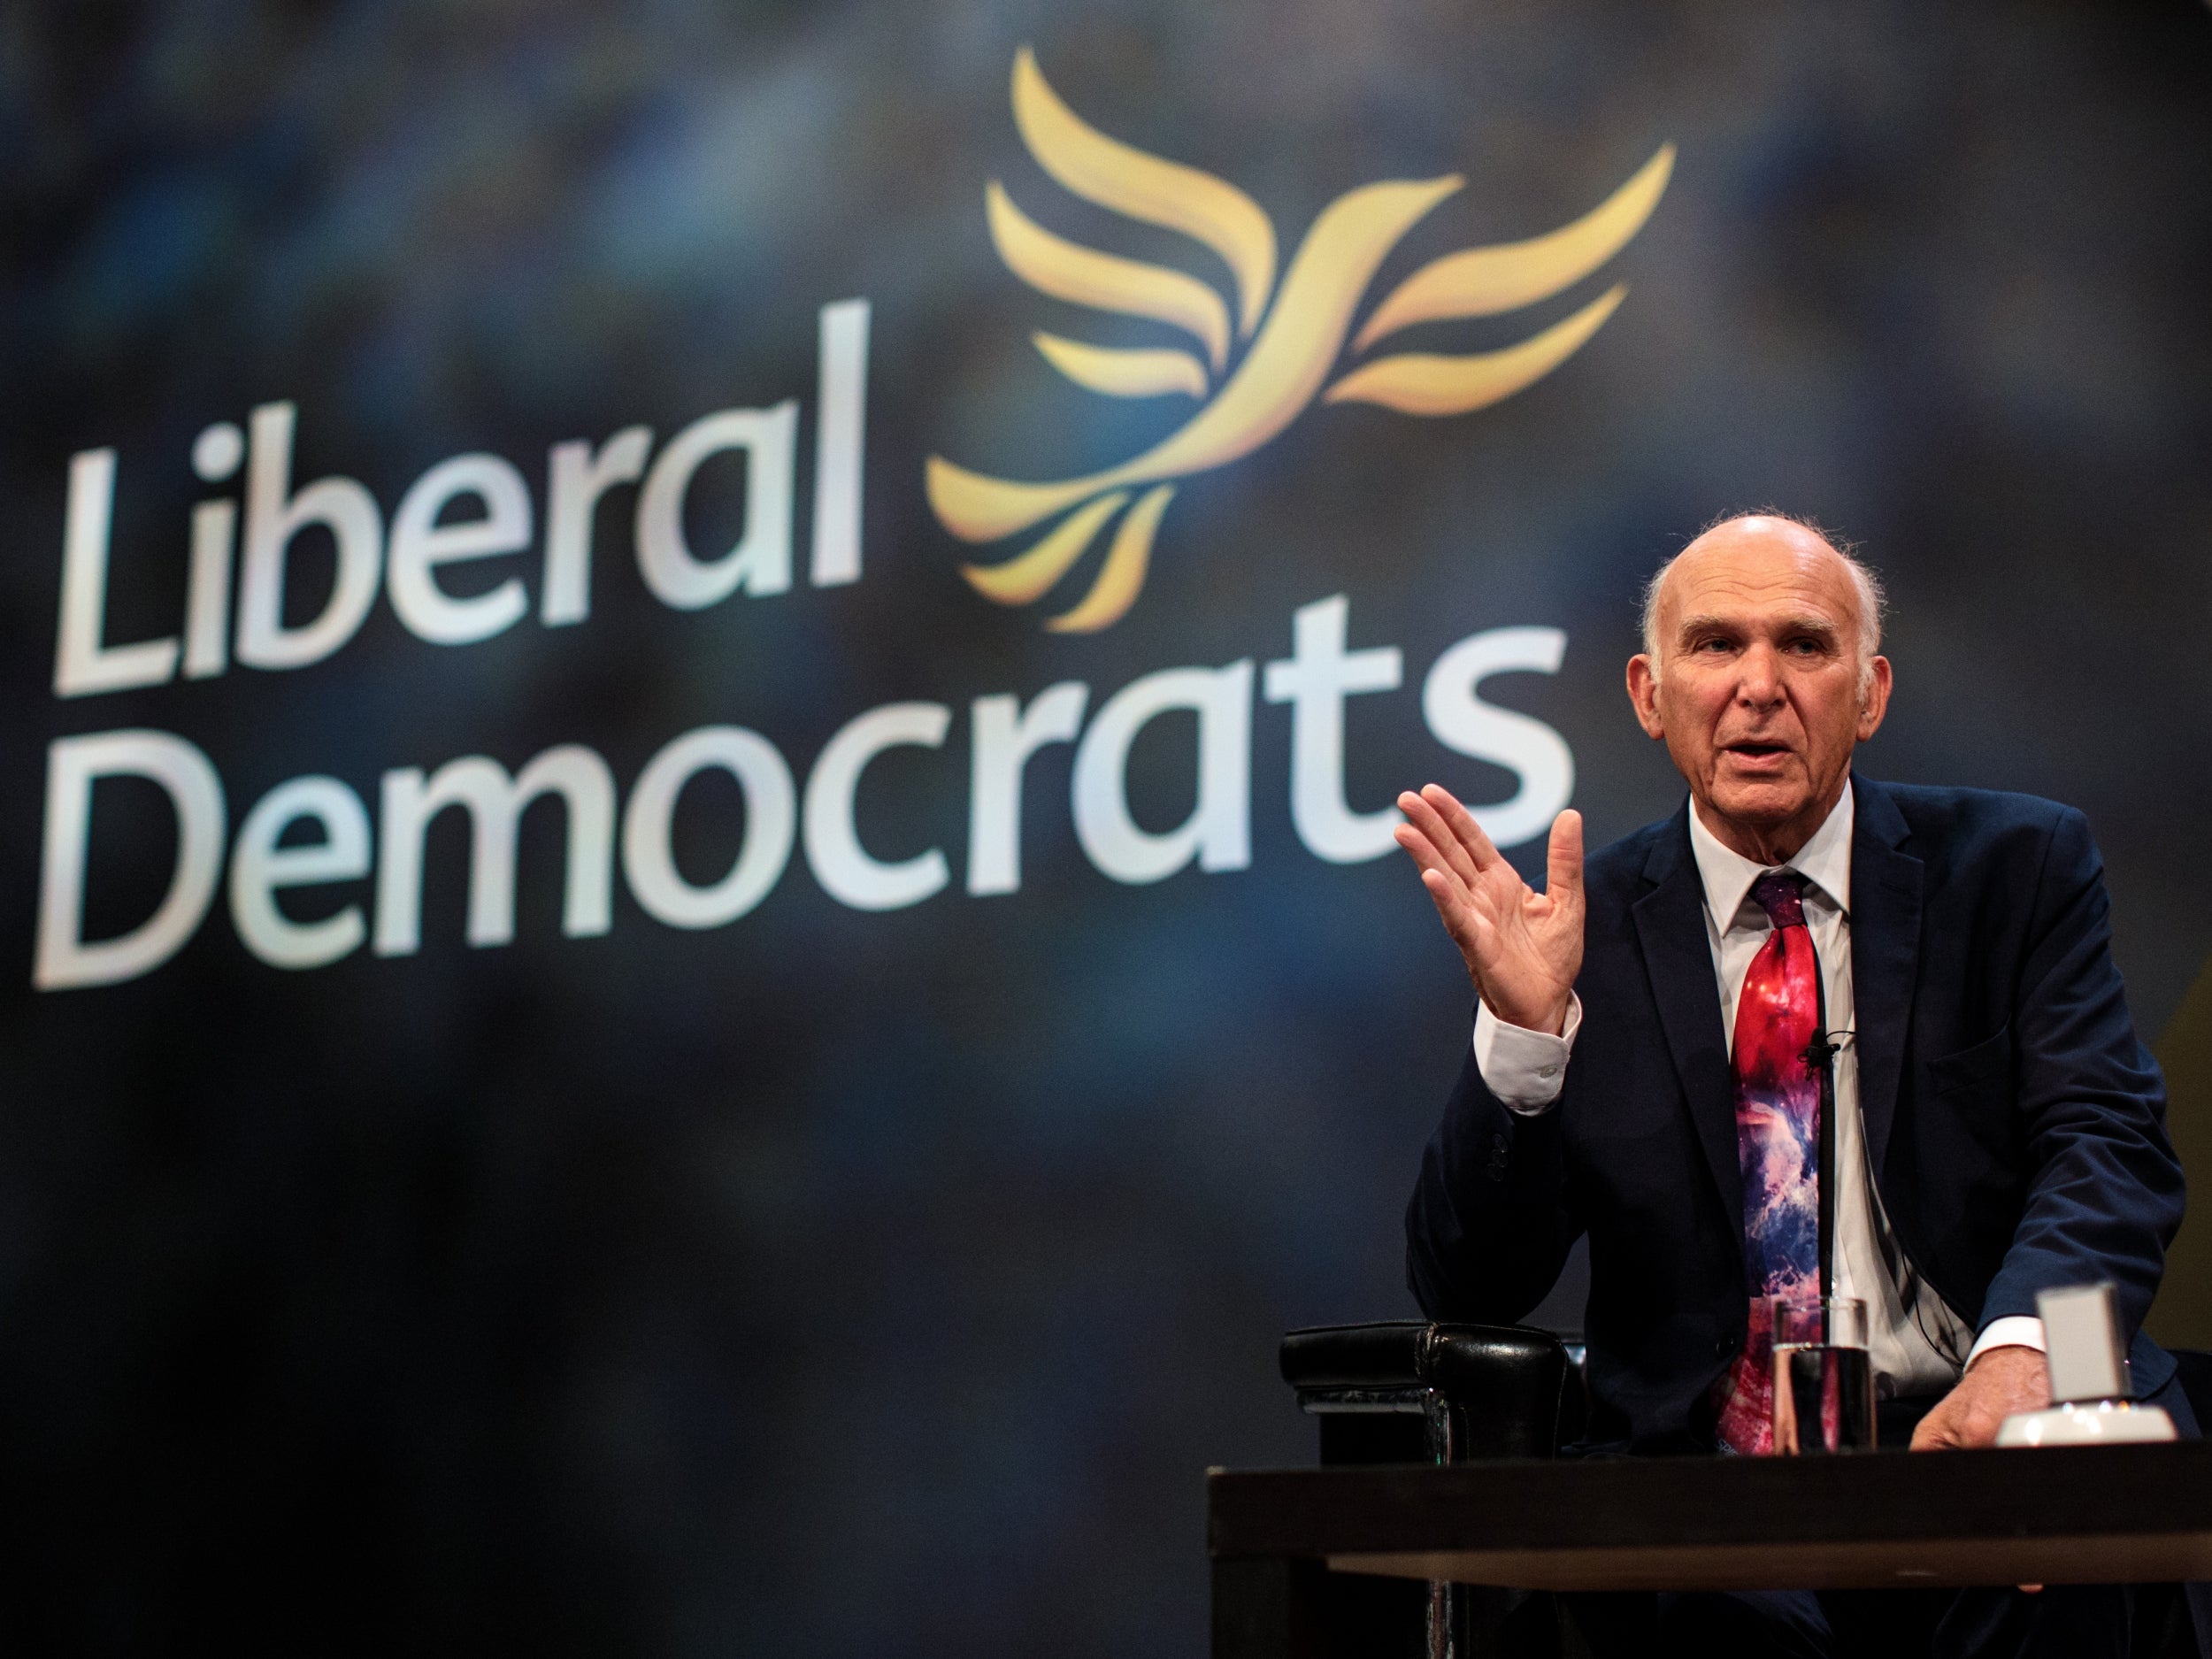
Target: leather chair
1406, 1391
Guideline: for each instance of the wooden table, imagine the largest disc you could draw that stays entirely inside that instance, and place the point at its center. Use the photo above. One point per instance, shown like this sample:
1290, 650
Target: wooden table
2099, 1515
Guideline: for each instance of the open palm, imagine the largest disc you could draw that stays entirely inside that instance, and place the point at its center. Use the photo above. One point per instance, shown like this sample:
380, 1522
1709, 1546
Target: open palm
1522, 948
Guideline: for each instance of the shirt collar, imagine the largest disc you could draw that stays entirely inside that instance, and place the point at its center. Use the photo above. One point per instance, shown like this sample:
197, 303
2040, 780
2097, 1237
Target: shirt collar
1824, 861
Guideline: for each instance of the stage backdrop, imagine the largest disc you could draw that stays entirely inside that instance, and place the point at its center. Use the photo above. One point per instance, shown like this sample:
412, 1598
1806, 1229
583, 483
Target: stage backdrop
698, 943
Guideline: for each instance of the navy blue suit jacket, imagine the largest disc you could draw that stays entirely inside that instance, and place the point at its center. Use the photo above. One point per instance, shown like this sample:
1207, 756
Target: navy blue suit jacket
2015, 1124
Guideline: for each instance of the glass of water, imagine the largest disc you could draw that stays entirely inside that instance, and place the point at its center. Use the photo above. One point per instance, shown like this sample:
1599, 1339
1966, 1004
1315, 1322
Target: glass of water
1824, 1376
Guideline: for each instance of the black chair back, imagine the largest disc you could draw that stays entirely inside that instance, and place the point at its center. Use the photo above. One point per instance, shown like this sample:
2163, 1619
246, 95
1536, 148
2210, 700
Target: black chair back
1406, 1391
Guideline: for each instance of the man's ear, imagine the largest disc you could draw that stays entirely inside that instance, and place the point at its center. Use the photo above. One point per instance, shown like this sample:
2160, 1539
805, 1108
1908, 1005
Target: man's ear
1643, 694
1876, 700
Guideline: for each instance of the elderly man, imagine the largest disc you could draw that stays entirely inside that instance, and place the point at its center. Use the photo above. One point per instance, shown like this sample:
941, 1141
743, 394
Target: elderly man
1636, 1075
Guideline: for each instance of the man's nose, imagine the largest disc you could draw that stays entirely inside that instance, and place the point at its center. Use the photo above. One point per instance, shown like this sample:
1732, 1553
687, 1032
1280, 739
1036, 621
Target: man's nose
1759, 676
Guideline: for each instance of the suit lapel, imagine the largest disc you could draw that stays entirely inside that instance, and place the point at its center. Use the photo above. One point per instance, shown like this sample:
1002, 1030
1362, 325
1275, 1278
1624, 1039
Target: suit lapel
1886, 891
1671, 929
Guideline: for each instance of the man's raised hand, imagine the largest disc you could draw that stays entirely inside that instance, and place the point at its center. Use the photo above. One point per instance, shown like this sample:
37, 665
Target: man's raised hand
1523, 948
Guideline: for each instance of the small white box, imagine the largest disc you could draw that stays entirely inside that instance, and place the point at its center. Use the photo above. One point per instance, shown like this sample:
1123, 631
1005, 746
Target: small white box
2081, 1334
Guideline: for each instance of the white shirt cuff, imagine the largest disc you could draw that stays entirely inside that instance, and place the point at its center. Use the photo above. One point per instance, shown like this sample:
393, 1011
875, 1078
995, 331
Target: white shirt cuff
1525, 1069
2016, 1330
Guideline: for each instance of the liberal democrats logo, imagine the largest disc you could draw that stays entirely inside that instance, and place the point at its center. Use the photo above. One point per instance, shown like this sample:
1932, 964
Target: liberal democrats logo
1262, 353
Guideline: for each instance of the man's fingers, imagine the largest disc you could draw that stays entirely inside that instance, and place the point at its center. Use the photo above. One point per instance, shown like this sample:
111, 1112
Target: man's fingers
1462, 824
1563, 869
1422, 815
1425, 853
1947, 1428
1450, 900
1464, 918
1452, 894
1934, 1433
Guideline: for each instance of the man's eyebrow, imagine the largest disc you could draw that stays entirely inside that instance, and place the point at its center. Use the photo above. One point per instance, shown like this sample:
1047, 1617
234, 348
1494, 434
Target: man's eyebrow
1706, 625
1807, 623
1822, 625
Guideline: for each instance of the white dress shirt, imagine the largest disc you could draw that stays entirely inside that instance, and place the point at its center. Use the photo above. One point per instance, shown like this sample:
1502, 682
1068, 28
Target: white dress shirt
1919, 1345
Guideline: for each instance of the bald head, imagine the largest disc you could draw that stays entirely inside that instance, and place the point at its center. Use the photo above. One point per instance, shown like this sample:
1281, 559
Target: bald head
1768, 534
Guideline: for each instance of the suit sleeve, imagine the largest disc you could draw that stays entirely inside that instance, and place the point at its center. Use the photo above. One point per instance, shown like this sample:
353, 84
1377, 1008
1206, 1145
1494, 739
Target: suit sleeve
2104, 1194
1489, 1225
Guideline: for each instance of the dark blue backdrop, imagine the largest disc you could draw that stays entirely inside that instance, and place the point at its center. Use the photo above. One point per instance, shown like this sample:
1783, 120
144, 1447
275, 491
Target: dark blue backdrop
841, 1281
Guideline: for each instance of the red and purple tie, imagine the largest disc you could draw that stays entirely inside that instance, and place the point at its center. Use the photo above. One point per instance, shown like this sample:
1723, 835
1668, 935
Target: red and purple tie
1778, 1148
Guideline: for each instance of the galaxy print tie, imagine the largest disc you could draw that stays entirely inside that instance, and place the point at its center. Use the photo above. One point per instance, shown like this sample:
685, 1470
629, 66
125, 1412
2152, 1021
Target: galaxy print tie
1778, 1148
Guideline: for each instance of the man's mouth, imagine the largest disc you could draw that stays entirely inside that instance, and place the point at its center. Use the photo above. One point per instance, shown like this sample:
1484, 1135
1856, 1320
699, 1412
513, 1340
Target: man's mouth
1756, 751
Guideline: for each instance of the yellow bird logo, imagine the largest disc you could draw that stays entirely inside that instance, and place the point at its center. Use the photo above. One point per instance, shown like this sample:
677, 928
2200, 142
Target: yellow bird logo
1262, 353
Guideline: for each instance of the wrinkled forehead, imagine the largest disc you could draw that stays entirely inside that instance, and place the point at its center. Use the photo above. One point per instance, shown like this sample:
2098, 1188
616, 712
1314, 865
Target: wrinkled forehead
1751, 570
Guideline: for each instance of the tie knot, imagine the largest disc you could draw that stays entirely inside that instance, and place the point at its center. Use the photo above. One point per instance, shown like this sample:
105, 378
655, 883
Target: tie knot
1781, 894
